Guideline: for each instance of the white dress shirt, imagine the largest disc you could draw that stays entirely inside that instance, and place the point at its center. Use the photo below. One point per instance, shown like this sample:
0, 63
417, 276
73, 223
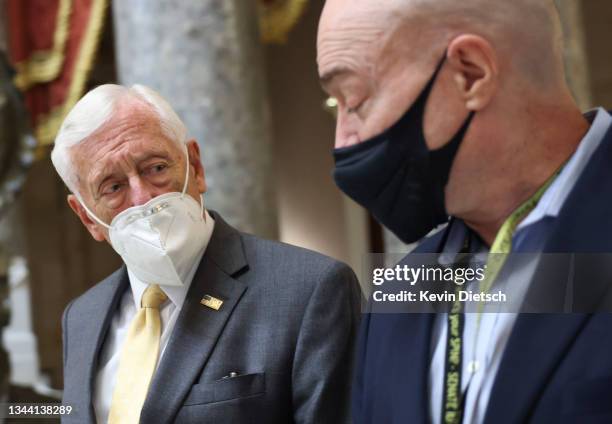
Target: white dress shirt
483, 349
108, 364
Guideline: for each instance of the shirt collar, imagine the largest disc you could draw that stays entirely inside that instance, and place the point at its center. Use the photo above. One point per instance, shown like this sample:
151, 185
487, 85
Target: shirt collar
551, 202
175, 294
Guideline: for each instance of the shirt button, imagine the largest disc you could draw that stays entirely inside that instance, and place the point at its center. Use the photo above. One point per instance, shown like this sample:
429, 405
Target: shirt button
473, 367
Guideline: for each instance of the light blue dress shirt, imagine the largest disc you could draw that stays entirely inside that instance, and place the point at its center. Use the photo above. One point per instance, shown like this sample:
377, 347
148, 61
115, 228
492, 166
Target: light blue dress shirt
484, 344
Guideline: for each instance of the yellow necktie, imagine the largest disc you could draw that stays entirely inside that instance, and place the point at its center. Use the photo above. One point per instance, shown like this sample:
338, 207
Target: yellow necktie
138, 359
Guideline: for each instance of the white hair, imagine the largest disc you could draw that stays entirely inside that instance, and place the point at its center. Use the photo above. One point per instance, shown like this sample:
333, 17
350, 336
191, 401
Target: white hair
94, 110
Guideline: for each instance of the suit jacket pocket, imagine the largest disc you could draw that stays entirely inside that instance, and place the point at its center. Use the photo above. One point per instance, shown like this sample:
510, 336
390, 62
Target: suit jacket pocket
226, 389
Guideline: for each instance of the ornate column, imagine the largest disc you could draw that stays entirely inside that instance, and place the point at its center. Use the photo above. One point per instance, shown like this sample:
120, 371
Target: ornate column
205, 58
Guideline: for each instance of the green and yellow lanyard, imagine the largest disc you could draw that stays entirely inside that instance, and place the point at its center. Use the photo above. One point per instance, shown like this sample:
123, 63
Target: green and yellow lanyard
452, 402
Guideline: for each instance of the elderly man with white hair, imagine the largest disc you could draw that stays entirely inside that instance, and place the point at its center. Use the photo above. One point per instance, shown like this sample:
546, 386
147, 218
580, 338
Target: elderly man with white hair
203, 323
460, 109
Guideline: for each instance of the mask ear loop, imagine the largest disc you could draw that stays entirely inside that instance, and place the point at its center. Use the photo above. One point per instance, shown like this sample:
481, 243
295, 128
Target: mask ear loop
91, 214
186, 171
187, 180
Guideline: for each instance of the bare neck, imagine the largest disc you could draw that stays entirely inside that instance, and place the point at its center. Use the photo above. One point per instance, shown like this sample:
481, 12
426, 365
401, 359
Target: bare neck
553, 137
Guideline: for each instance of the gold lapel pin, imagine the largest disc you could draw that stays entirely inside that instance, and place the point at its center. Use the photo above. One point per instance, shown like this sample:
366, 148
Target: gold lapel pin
211, 302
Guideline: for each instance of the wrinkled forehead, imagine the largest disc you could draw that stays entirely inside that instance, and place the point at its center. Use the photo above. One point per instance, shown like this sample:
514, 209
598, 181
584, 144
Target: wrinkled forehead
354, 27
129, 134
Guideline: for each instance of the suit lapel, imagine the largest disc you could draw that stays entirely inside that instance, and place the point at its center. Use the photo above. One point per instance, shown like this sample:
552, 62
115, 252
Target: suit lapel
536, 347
415, 399
198, 327
539, 342
417, 331
98, 317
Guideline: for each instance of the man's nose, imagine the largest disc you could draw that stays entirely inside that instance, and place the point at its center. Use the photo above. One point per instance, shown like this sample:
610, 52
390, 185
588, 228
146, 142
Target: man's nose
140, 191
346, 130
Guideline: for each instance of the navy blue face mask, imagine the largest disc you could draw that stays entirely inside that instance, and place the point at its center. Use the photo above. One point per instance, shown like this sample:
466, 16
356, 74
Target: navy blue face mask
396, 177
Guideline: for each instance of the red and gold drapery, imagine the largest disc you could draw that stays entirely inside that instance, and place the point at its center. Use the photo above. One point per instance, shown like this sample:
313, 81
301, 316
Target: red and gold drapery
52, 45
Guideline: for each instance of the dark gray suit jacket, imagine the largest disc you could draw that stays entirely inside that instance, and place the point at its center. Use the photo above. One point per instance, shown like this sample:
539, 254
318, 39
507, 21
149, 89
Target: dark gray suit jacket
286, 326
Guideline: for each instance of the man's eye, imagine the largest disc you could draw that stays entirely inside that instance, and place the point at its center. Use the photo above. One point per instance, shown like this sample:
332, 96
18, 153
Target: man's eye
112, 188
158, 168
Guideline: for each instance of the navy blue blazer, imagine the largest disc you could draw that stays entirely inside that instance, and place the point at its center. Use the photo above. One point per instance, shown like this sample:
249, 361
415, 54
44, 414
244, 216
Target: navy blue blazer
557, 368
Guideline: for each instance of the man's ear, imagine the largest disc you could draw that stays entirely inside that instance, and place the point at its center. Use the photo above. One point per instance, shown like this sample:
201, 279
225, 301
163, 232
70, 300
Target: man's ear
92, 226
475, 70
196, 163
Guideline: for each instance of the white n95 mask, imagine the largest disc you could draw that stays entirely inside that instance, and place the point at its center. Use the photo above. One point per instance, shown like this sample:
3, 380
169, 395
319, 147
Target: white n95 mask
160, 240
